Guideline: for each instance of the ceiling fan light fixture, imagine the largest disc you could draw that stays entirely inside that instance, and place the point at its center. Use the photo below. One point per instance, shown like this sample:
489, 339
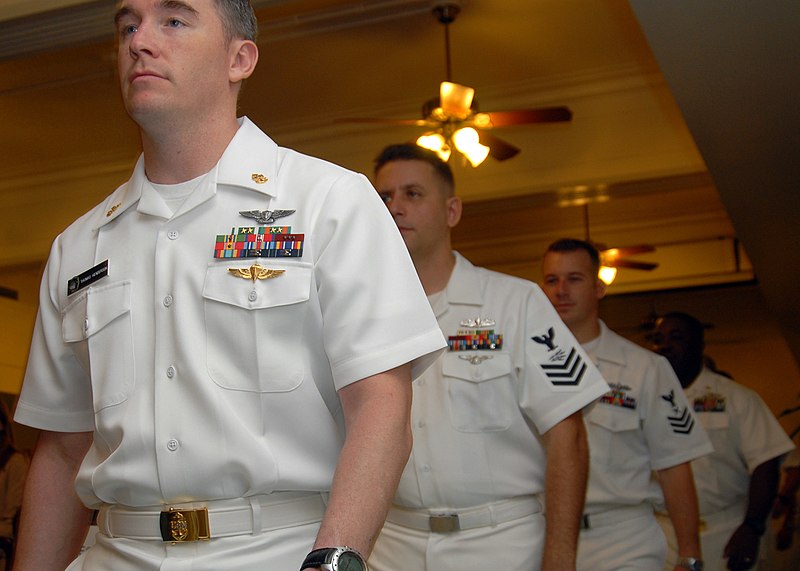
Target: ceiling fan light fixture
456, 99
436, 143
467, 141
607, 274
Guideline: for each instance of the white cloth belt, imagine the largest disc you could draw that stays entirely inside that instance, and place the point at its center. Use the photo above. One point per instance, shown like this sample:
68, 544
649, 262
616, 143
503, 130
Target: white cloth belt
615, 515
445, 521
240, 516
734, 513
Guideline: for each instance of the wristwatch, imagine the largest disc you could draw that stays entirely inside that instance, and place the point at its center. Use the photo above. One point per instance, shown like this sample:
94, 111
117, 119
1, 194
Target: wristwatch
335, 559
690, 563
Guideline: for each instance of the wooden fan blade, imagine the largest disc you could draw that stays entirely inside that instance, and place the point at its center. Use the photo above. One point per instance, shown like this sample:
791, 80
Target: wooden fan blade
383, 121
498, 148
456, 99
632, 264
629, 250
527, 116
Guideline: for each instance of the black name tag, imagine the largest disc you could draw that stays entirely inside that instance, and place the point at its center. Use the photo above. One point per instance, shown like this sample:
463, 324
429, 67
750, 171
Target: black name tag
87, 278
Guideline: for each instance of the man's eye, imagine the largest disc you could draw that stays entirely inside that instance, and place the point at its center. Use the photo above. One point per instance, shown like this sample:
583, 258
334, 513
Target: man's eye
385, 197
174, 23
127, 30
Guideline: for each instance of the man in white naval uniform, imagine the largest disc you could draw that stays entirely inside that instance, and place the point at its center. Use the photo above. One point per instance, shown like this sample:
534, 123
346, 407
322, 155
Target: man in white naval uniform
222, 358
642, 425
497, 419
736, 485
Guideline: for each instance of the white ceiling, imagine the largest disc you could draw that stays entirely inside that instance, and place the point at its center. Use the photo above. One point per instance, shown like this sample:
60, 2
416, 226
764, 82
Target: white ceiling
66, 141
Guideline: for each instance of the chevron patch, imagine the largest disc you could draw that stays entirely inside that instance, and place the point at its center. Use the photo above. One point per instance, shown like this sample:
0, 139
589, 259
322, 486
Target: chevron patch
682, 422
567, 373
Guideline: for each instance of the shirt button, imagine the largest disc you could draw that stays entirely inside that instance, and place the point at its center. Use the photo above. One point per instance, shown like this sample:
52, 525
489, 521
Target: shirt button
172, 445
170, 372
173, 235
425, 468
86, 324
476, 374
253, 295
168, 300
421, 424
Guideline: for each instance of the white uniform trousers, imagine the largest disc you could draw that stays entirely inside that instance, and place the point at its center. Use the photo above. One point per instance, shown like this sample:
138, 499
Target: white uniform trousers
278, 550
634, 543
515, 545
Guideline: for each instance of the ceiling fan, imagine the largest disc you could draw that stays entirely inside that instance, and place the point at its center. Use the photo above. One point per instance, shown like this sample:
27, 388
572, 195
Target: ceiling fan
618, 257
453, 118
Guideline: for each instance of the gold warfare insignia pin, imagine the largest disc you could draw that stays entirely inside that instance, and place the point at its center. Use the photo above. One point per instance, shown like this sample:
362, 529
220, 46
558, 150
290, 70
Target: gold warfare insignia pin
255, 272
113, 209
258, 178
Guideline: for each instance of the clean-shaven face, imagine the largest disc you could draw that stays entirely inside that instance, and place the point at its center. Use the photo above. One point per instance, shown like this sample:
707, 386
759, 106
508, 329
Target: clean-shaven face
418, 201
172, 57
572, 286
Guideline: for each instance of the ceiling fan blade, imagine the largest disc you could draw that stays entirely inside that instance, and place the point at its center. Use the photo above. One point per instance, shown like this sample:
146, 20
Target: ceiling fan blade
632, 264
385, 121
456, 99
498, 148
629, 250
527, 116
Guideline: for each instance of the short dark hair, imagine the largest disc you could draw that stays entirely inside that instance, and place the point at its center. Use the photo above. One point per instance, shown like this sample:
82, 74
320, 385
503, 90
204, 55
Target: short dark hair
694, 325
412, 152
576, 245
238, 19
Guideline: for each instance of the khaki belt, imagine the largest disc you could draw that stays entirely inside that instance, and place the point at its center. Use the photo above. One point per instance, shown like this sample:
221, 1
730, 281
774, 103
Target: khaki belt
614, 516
447, 521
218, 518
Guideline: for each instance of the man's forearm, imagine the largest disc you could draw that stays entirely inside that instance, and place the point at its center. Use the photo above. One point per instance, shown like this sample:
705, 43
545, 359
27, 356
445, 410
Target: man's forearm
680, 498
54, 522
565, 490
376, 450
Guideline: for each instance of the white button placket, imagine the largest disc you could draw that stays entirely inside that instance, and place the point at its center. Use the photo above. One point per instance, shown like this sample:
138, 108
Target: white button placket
167, 380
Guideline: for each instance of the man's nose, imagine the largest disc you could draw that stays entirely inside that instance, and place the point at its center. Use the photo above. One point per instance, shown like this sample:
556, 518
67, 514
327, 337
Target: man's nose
143, 41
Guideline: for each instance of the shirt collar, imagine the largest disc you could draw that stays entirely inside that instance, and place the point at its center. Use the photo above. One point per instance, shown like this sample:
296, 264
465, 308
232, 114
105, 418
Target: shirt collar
464, 287
606, 349
250, 161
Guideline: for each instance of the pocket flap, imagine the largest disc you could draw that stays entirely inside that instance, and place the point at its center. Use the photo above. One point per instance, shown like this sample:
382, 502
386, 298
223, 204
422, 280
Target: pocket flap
614, 418
95, 309
291, 286
476, 366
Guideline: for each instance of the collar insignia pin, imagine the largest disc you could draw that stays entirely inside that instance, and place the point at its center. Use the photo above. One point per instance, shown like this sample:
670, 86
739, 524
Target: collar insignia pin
258, 178
255, 272
265, 216
113, 209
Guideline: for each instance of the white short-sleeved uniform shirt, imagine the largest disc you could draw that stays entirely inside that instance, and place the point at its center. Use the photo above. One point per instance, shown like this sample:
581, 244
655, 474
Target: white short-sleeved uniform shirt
642, 424
513, 370
205, 376
744, 433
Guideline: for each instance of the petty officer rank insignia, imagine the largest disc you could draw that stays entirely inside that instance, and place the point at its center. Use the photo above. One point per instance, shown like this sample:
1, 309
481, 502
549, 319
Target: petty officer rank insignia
709, 402
680, 420
618, 396
563, 367
261, 242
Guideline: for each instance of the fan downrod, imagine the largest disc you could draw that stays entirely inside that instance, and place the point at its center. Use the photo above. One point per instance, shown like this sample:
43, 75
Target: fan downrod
446, 12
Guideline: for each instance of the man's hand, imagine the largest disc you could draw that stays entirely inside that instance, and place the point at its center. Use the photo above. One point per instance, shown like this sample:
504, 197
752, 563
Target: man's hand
742, 548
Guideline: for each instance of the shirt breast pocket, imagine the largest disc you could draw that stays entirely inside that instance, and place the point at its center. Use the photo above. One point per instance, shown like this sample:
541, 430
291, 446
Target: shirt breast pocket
481, 391
98, 327
612, 434
254, 327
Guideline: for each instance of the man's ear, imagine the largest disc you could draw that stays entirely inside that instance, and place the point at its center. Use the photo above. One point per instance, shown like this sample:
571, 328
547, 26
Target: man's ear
454, 208
600, 288
244, 56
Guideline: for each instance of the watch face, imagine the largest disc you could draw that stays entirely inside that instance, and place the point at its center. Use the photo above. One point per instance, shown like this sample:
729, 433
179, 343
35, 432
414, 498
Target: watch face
349, 561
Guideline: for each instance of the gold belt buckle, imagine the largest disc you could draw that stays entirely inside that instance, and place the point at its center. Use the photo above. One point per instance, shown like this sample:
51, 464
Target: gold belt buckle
444, 523
184, 525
